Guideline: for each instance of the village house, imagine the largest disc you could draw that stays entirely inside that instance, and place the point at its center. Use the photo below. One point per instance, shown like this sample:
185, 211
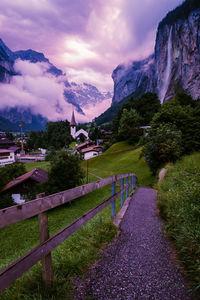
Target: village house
20, 186
6, 157
89, 152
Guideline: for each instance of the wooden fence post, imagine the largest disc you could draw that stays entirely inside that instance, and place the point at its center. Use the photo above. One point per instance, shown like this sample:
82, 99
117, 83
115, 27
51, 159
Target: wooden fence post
113, 202
47, 274
127, 187
122, 195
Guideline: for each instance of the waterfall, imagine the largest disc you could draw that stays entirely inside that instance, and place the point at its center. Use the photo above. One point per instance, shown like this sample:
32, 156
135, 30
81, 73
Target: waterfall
167, 73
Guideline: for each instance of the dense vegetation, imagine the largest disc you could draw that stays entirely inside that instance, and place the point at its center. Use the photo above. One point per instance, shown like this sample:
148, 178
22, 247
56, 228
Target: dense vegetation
179, 204
174, 131
136, 113
181, 12
57, 135
146, 105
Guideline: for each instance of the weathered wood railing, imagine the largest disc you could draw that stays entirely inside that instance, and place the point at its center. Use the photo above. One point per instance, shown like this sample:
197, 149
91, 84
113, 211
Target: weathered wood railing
39, 207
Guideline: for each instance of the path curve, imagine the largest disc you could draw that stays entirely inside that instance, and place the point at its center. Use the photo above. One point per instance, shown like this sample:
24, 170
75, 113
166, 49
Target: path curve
139, 264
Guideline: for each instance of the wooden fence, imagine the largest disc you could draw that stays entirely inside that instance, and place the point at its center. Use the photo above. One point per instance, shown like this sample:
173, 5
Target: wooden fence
39, 207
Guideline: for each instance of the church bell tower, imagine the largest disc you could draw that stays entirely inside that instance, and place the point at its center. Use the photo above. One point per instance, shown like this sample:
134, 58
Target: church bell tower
73, 126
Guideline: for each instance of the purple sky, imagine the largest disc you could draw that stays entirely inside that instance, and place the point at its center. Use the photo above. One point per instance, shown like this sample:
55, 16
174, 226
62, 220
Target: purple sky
85, 38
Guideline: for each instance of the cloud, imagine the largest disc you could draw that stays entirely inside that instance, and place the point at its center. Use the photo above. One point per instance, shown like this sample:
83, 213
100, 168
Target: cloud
79, 35
42, 93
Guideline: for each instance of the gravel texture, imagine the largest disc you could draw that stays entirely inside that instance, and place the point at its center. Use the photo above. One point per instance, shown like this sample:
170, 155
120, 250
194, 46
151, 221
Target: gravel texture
140, 263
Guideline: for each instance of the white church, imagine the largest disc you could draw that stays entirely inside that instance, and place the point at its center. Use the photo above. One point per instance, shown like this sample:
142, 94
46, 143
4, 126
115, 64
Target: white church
76, 134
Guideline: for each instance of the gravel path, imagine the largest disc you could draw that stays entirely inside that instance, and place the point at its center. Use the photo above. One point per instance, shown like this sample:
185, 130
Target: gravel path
139, 264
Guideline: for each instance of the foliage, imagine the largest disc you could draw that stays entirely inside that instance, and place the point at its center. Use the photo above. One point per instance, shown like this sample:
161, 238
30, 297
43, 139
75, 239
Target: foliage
164, 144
57, 135
185, 115
65, 172
181, 12
146, 106
179, 205
94, 132
128, 124
37, 139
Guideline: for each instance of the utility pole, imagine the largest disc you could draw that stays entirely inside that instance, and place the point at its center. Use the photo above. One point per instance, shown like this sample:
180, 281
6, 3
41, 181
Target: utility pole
87, 169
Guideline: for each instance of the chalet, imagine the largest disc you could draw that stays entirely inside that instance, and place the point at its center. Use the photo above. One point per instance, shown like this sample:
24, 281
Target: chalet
6, 157
89, 152
23, 184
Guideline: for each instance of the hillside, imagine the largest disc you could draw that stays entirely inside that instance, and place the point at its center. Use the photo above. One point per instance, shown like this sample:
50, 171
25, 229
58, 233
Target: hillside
179, 204
118, 159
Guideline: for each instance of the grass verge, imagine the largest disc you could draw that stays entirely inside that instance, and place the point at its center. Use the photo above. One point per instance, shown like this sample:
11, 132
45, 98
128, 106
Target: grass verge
179, 205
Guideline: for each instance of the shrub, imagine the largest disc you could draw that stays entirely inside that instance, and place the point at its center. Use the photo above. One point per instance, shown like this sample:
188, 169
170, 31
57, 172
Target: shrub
164, 144
65, 172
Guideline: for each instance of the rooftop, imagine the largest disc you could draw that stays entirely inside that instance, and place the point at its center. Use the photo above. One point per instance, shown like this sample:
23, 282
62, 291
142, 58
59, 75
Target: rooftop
37, 174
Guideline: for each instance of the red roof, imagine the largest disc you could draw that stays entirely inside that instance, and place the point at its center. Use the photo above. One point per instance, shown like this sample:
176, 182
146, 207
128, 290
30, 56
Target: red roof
36, 174
82, 145
92, 148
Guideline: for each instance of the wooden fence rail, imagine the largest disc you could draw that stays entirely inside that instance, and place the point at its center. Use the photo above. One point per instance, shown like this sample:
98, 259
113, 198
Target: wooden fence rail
41, 205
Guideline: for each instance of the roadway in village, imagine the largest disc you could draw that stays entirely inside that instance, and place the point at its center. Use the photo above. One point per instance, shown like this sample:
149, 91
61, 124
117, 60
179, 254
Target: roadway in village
140, 263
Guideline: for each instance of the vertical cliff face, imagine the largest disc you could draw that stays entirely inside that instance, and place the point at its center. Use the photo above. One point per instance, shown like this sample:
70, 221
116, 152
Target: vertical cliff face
177, 57
173, 67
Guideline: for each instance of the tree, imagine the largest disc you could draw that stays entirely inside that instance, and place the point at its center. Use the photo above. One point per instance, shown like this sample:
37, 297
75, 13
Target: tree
65, 172
58, 134
185, 117
128, 124
164, 144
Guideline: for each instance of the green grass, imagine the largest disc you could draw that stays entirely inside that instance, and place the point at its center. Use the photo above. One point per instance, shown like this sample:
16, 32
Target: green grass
120, 146
41, 164
117, 162
75, 254
72, 145
179, 205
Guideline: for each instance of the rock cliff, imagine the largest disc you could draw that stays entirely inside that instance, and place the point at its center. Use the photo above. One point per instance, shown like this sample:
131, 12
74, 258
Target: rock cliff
174, 65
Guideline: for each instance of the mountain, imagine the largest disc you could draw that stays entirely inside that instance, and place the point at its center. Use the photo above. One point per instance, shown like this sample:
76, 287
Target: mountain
80, 95
34, 57
174, 65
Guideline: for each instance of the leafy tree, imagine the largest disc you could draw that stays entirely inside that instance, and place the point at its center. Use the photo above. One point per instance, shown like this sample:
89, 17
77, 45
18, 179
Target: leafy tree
164, 144
128, 125
65, 172
94, 132
185, 117
58, 134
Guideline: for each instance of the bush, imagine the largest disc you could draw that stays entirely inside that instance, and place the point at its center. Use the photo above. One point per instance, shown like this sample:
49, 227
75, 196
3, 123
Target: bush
164, 145
65, 172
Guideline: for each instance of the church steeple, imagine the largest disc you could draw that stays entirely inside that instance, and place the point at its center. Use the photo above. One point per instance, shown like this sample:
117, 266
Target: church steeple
73, 126
73, 122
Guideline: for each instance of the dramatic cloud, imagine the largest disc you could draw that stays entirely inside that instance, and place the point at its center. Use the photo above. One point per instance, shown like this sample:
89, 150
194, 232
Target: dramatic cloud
42, 93
84, 38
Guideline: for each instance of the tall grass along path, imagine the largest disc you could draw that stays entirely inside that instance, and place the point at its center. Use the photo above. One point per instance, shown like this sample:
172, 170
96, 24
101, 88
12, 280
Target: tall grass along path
139, 264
